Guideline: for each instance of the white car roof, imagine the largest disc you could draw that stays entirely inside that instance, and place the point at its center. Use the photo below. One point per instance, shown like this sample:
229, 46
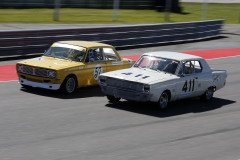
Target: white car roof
173, 55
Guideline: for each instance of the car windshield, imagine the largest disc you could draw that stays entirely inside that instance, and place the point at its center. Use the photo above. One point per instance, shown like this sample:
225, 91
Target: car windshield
157, 64
66, 51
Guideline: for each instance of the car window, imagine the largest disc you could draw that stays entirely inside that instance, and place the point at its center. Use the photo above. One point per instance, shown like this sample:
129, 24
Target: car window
66, 51
158, 64
188, 67
197, 67
109, 54
94, 55
191, 67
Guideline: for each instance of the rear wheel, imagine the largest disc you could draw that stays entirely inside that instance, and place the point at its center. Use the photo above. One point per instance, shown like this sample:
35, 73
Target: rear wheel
113, 99
69, 85
208, 94
163, 100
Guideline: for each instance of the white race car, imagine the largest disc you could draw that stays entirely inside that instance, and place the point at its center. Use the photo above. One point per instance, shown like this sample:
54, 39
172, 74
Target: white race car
163, 77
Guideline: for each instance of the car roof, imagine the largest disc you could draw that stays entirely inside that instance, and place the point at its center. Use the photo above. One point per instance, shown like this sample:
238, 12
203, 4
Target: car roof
173, 55
87, 44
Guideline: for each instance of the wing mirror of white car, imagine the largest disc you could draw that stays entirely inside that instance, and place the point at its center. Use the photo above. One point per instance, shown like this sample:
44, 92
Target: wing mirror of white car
182, 75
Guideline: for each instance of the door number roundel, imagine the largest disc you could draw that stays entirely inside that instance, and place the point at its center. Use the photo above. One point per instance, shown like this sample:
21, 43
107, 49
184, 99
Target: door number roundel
97, 71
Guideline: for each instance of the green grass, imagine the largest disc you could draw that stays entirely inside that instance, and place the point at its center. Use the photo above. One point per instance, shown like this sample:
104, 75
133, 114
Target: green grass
191, 12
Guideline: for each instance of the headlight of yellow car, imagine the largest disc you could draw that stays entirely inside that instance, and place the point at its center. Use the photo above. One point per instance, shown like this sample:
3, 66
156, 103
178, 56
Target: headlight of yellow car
19, 67
51, 74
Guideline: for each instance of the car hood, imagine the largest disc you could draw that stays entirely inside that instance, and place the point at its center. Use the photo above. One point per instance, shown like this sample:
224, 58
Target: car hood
146, 76
50, 63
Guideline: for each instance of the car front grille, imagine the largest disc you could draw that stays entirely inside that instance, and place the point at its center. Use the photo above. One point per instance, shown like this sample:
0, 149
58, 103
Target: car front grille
123, 84
40, 72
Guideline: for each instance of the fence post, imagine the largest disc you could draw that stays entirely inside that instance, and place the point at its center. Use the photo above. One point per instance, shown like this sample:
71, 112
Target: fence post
57, 4
115, 9
168, 9
204, 10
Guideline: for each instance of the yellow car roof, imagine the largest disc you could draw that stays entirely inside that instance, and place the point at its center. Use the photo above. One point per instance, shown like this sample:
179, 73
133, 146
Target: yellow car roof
86, 44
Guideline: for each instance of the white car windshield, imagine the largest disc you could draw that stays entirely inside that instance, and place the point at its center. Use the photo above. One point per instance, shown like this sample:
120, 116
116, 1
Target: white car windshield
157, 64
66, 51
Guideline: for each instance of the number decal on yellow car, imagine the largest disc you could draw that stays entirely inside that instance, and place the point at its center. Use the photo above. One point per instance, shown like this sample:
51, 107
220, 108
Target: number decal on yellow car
97, 71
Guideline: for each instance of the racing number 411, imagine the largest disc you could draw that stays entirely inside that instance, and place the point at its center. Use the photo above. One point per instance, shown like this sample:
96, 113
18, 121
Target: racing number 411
189, 86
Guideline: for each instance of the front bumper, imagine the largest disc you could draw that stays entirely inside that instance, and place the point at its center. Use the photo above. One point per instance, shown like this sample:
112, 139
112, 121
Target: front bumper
126, 94
39, 85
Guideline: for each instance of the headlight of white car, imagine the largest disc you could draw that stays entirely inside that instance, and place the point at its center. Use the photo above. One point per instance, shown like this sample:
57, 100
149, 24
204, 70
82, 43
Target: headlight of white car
51, 74
102, 79
146, 88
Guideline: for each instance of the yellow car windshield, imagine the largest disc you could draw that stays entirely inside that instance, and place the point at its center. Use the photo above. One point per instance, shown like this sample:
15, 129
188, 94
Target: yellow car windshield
65, 51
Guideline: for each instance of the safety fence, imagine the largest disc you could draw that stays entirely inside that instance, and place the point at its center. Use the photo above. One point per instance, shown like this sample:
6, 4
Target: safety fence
107, 4
15, 43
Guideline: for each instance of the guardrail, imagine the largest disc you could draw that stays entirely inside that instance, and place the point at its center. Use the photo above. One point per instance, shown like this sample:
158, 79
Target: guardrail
18, 43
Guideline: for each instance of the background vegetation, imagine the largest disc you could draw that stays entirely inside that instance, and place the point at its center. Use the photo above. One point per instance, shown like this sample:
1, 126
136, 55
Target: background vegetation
191, 12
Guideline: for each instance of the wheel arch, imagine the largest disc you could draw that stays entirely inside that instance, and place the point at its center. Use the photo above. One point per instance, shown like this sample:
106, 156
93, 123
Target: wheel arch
69, 75
168, 92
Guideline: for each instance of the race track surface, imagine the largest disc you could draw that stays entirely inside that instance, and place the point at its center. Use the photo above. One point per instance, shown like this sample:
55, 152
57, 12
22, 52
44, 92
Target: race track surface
44, 125
8, 72
39, 124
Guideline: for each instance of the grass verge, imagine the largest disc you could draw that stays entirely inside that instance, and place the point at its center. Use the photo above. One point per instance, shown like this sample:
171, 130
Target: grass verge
191, 12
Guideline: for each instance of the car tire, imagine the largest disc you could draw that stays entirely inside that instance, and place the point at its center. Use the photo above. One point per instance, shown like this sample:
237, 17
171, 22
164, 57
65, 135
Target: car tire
69, 85
113, 99
207, 96
163, 101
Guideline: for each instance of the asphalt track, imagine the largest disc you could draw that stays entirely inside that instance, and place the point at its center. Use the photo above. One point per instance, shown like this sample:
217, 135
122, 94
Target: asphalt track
8, 72
44, 125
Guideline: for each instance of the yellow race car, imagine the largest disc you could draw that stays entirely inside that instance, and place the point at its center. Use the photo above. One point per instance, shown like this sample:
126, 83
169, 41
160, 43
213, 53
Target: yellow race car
68, 65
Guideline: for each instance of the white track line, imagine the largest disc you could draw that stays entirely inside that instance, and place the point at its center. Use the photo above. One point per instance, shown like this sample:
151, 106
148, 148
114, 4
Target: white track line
9, 81
223, 57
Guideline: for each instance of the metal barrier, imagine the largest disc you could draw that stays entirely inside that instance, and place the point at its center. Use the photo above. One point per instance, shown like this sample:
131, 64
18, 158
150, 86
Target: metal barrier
15, 43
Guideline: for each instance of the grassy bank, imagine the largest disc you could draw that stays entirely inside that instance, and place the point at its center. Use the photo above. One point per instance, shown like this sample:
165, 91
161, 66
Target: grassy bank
191, 12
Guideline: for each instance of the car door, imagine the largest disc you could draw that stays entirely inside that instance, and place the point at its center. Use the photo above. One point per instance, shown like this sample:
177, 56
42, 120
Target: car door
187, 85
113, 62
94, 66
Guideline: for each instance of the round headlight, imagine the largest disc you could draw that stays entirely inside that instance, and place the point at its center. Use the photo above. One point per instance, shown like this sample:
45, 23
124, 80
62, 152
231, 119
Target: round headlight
146, 88
51, 74
19, 68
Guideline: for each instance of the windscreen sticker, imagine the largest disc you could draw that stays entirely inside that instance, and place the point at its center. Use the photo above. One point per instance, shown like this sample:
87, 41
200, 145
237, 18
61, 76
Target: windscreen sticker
69, 46
97, 71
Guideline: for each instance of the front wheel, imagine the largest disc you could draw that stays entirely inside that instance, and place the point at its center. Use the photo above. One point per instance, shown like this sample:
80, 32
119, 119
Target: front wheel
69, 85
208, 94
163, 100
113, 99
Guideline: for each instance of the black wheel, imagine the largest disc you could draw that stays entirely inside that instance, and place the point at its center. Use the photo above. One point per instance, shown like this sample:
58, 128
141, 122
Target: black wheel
113, 99
163, 100
207, 96
69, 85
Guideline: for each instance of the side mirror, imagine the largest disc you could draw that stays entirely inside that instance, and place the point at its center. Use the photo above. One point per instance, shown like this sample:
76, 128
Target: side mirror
44, 53
182, 75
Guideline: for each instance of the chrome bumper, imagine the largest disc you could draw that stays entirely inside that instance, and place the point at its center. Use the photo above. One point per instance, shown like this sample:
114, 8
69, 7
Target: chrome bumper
126, 94
39, 85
